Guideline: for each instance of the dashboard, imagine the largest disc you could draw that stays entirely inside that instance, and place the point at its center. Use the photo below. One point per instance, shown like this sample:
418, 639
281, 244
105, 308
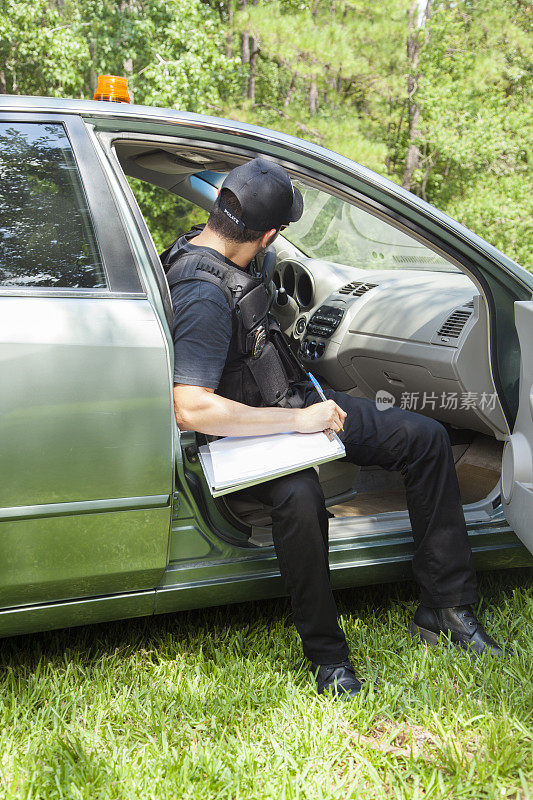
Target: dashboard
420, 336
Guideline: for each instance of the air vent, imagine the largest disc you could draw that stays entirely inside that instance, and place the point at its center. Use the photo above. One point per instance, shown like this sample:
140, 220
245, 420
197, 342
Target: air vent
455, 323
357, 288
470, 304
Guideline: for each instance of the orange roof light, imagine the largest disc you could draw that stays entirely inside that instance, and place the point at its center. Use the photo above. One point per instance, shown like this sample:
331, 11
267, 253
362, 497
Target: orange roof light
112, 88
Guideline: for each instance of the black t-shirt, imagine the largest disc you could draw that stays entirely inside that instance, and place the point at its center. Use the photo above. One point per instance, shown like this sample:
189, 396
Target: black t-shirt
202, 330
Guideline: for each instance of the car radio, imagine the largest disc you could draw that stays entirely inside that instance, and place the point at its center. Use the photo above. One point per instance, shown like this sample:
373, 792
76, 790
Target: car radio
322, 324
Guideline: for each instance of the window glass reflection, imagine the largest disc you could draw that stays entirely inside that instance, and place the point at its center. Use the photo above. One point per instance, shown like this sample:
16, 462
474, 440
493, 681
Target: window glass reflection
46, 232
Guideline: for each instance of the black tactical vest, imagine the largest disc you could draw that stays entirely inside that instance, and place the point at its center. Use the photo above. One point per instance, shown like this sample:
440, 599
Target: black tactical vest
260, 366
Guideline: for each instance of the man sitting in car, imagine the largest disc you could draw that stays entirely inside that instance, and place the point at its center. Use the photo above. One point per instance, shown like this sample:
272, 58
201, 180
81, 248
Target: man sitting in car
235, 375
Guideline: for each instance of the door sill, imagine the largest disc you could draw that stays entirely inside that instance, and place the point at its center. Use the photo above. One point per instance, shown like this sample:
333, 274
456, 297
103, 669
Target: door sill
388, 522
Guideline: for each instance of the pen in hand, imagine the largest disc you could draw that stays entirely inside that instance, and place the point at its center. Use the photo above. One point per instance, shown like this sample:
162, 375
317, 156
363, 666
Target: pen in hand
329, 433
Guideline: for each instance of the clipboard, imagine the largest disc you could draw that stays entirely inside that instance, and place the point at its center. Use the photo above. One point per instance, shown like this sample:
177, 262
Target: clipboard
236, 462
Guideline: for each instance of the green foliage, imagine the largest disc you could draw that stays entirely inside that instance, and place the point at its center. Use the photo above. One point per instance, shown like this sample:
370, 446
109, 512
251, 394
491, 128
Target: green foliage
476, 120
43, 48
473, 89
500, 210
166, 215
354, 50
171, 51
331, 71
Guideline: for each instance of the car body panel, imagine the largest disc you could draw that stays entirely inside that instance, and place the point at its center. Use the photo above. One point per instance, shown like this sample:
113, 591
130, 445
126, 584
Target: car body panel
86, 419
357, 561
86, 401
48, 616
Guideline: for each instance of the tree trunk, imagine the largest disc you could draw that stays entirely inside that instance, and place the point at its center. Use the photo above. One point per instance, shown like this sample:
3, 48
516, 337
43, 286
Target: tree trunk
229, 35
245, 47
313, 96
327, 84
290, 91
254, 52
412, 159
3, 84
395, 145
93, 77
416, 21
431, 160
332, 84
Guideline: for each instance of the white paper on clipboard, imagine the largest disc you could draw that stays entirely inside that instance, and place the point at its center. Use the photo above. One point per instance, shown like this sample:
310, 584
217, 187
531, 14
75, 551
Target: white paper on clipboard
235, 462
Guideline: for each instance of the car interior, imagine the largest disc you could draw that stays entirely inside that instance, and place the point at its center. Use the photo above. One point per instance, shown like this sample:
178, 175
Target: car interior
370, 309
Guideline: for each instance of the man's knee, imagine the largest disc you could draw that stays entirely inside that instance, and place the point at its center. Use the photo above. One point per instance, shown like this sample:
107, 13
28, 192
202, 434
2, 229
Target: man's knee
300, 491
424, 435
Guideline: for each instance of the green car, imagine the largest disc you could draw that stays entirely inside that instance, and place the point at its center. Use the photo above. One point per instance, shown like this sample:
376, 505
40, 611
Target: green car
104, 510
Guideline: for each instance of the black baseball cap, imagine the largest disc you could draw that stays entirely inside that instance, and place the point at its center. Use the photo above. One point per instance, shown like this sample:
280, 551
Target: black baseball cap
267, 197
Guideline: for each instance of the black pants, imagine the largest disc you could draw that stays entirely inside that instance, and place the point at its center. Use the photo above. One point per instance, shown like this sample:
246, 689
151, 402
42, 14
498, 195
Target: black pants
394, 439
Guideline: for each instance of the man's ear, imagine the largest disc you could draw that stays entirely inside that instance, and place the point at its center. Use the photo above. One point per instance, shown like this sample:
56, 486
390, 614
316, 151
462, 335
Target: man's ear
268, 237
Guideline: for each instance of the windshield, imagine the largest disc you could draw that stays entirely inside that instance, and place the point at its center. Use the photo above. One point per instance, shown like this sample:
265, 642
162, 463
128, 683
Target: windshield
334, 230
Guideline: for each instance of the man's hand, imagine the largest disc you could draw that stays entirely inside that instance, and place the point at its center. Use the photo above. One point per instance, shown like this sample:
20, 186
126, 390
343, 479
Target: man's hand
321, 417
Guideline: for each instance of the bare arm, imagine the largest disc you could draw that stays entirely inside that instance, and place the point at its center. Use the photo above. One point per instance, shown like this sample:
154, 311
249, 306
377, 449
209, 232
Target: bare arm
200, 409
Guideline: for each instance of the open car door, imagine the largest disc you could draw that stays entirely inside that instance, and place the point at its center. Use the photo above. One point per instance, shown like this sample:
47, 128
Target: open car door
517, 466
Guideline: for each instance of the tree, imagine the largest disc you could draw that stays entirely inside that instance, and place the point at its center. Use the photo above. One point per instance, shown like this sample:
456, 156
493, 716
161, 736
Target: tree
445, 116
335, 64
417, 21
475, 130
173, 52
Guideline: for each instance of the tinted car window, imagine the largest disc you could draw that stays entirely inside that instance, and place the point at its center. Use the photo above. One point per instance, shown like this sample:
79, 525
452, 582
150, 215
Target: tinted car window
46, 232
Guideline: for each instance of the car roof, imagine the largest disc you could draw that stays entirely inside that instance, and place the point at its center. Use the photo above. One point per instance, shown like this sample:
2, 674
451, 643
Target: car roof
102, 109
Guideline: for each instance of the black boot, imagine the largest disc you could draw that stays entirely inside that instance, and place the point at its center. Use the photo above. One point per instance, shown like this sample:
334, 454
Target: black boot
337, 679
461, 625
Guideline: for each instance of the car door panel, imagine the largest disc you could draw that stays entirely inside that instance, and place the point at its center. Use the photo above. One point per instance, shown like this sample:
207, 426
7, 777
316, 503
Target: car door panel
86, 420
85, 401
517, 463
81, 555
85, 391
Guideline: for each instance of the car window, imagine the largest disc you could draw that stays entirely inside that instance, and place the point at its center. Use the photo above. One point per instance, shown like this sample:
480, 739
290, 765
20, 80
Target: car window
334, 230
166, 214
47, 237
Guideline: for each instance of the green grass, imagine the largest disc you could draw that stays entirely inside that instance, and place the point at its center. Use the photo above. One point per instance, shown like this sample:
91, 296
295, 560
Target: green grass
218, 703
